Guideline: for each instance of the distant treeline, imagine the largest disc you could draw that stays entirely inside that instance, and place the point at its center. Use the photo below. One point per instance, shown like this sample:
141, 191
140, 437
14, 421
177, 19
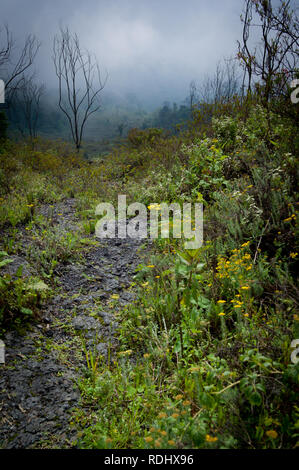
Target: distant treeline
113, 120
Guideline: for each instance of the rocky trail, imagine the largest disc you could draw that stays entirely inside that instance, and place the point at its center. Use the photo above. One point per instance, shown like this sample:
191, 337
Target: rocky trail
39, 381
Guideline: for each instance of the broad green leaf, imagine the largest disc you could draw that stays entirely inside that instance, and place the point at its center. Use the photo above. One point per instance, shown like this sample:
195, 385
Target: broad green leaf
26, 311
39, 286
4, 262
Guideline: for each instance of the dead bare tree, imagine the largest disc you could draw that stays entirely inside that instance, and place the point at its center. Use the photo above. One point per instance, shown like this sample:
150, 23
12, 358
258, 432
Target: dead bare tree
222, 85
14, 64
192, 94
32, 94
25, 107
273, 61
79, 82
6, 45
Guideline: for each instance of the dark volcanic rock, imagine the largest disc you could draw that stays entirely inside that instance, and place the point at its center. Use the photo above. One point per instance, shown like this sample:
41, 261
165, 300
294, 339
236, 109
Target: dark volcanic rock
38, 382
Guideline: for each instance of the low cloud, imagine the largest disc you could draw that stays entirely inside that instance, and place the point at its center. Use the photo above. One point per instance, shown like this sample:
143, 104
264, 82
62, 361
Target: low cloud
147, 47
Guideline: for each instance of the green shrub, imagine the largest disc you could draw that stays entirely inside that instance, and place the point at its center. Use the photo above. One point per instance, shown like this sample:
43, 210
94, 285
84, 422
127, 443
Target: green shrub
19, 298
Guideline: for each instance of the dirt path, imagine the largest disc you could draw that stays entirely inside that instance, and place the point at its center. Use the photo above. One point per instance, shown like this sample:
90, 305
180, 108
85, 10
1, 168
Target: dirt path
38, 384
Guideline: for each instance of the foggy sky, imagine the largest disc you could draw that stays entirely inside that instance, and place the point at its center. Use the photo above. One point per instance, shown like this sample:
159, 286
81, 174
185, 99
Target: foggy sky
148, 47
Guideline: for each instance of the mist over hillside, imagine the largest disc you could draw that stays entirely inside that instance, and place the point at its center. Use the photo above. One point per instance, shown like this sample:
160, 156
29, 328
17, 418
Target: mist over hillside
149, 53
116, 116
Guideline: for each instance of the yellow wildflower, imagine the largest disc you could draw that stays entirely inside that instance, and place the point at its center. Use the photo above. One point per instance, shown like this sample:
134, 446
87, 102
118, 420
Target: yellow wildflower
148, 439
114, 296
154, 206
194, 369
125, 353
272, 434
211, 438
178, 397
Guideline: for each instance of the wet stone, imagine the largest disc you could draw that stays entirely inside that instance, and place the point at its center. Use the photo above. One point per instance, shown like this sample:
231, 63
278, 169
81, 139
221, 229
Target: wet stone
84, 322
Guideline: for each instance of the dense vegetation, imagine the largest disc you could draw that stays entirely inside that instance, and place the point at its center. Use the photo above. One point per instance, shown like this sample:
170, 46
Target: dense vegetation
208, 340
205, 350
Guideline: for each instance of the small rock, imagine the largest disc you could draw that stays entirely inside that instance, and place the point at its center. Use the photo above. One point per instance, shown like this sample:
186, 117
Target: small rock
102, 349
2, 352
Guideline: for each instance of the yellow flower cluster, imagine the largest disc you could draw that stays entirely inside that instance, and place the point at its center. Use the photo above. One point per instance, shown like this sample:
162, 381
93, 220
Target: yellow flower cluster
234, 266
157, 436
293, 216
